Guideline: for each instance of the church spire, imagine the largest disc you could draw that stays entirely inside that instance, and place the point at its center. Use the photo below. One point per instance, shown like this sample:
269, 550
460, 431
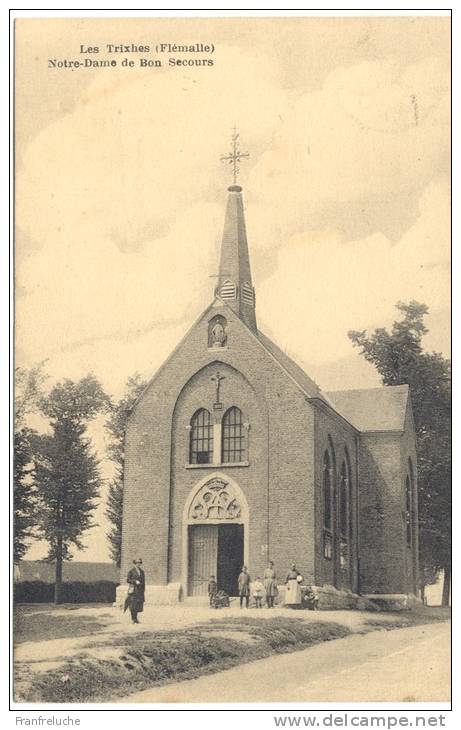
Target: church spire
234, 281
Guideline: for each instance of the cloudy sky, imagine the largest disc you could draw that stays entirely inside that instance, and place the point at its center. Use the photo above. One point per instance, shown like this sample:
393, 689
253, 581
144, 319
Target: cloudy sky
120, 191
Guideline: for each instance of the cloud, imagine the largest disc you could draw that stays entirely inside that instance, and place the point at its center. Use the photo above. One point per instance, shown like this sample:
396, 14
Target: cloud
119, 208
322, 286
120, 204
374, 132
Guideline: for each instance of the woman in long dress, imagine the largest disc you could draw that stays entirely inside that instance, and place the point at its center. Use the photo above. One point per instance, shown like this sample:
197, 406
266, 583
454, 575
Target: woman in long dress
270, 584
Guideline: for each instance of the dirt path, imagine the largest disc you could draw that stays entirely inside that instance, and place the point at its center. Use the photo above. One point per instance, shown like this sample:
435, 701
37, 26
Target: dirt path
404, 665
54, 632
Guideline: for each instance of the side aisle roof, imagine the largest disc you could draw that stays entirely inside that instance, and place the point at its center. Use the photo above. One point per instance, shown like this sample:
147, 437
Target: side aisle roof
373, 409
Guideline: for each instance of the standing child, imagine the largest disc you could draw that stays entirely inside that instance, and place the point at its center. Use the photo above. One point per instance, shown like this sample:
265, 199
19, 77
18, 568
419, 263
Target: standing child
270, 584
312, 598
212, 589
257, 589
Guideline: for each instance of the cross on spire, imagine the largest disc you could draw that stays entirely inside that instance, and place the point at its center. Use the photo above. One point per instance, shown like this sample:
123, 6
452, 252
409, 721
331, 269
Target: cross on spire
235, 156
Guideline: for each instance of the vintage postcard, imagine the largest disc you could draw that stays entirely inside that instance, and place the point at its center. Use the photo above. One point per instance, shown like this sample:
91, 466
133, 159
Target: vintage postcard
232, 337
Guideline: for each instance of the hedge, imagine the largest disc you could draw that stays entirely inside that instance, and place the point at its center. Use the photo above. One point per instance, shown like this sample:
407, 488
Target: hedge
101, 591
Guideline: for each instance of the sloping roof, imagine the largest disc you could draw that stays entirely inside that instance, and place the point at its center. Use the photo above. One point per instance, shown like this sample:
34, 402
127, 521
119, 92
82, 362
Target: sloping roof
31, 570
373, 409
293, 369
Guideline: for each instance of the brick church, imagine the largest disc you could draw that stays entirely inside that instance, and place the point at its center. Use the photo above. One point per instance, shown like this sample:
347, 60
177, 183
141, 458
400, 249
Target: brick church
235, 456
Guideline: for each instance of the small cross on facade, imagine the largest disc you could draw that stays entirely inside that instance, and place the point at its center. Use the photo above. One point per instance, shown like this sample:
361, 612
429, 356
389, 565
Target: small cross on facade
217, 379
235, 156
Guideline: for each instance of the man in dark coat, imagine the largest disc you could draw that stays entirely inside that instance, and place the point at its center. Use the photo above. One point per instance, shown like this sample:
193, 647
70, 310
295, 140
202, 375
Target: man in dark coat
244, 586
136, 587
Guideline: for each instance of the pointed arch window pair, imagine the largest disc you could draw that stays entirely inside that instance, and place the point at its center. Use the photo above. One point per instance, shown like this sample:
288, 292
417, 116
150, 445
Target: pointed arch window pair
336, 501
227, 440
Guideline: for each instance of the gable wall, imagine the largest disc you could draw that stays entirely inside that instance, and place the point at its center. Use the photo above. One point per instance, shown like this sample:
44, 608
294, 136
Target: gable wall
387, 563
278, 483
382, 541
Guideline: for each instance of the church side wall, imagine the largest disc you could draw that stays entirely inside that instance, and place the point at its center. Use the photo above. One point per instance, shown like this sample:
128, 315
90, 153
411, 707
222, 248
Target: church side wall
382, 535
331, 431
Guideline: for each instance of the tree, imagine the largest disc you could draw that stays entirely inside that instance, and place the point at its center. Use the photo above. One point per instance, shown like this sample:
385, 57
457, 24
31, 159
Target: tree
116, 425
399, 358
66, 470
23, 492
28, 391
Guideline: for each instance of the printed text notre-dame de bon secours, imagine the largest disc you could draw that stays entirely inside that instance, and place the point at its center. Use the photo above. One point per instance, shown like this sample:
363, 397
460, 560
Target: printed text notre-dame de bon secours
132, 55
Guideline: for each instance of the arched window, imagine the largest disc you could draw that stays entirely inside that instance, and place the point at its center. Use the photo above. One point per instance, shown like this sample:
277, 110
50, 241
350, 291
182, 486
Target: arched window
344, 513
327, 491
343, 501
408, 513
201, 438
327, 507
408, 510
234, 449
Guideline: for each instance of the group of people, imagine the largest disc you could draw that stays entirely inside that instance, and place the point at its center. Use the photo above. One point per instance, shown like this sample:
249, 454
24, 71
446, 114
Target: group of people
257, 589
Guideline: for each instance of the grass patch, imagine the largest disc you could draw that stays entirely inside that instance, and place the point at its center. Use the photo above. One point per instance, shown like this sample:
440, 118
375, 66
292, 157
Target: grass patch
416, 616
148, 659
113, 666
49, 625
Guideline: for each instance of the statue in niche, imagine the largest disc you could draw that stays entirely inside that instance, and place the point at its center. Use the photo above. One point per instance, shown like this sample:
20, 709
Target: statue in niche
217, 332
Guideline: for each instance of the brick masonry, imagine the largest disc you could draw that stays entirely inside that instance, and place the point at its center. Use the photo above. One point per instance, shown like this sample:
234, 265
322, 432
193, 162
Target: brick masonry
282, 483
387, 564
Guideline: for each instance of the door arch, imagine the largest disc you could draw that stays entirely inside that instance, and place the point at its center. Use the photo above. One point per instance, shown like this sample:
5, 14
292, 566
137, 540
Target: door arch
214, 505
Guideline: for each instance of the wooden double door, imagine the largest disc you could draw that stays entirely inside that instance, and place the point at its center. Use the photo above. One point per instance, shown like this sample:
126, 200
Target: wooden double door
214, 550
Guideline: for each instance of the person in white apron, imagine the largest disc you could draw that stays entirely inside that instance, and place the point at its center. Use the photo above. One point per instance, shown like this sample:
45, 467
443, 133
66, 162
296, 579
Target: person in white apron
293, 587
